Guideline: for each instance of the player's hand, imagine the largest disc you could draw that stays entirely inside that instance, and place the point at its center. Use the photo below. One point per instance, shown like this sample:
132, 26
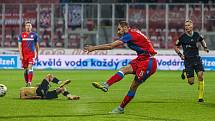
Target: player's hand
36, 56
88, 48
206, 50
182, 57
115, 38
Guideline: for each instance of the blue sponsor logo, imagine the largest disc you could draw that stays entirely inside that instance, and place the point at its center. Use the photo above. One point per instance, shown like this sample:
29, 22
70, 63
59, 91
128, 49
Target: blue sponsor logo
170, 62
8, 62
208, 63
89, 63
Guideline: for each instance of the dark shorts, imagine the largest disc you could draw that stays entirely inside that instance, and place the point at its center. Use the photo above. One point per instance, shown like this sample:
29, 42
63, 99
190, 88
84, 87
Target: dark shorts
143, 68
42, 91
51, 94
193, 64
48, 94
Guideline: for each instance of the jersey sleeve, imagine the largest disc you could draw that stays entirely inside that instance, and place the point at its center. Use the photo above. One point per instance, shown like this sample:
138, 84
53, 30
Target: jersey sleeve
36, 38
20, 38
200, 37
178, 42
125, 38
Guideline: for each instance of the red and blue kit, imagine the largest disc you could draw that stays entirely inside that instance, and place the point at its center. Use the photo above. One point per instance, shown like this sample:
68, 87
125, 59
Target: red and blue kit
28, 41
145, 64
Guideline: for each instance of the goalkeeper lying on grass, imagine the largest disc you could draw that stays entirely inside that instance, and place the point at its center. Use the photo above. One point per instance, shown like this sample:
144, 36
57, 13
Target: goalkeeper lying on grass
42, 91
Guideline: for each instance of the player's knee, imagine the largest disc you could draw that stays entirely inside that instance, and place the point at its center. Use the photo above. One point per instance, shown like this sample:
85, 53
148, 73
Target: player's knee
134, 86
126, 69
62, 89
200, 78
190, 82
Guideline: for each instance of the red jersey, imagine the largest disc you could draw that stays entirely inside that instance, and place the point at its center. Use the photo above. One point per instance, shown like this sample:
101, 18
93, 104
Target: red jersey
28, 41
138, 42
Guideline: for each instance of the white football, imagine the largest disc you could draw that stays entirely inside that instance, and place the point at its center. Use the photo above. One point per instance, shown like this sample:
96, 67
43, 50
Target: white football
3, 90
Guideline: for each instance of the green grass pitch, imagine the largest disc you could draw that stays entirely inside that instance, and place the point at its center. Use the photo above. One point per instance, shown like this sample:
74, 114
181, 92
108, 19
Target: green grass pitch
163, 97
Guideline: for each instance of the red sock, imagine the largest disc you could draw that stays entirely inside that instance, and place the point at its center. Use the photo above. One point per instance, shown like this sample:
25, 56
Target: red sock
26, 76
30, 76
115, 78
127, 99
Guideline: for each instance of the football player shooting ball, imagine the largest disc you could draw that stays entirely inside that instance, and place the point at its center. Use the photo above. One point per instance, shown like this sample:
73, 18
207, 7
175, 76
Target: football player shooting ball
142, 67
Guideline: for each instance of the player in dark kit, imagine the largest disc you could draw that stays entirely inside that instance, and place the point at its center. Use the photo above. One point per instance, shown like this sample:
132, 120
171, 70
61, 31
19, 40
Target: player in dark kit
28, 49
142, 67
192, 60
43, 92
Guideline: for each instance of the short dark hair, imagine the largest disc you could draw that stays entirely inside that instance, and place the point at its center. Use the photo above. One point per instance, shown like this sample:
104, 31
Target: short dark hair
123, 23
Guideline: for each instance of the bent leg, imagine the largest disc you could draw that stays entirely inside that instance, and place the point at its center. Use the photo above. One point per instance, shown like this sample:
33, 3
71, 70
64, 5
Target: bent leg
65, 93
120, 74
115, 78
190, 75
131, 93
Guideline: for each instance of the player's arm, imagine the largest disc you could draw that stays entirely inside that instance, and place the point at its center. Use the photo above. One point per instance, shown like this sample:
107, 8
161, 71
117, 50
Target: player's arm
204, 45
177, 49
123, 39
108, 46
37, 49
36, 40
20, 50
23, 95
20, 46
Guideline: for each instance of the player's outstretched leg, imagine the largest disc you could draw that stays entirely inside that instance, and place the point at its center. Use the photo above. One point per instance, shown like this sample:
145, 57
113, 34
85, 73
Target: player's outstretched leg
115, 78
102, 86
65, 83
67, 94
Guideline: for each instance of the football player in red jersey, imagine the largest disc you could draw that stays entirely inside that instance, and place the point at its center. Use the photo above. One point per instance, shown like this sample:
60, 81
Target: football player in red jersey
142, 67
28, 49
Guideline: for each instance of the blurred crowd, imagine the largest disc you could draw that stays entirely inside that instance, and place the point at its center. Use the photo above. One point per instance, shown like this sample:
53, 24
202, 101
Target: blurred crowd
137, 18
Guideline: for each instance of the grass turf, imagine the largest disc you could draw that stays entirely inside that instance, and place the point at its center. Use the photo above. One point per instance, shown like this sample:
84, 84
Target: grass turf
162, 97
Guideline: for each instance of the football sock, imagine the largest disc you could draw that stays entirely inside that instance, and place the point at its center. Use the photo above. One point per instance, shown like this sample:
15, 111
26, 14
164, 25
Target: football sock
66, 93
55, 80
26, 76
201, 89
30, 75
127, 98
115, 78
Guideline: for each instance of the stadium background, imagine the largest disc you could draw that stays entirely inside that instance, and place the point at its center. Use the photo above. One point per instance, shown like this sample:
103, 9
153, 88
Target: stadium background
64, 28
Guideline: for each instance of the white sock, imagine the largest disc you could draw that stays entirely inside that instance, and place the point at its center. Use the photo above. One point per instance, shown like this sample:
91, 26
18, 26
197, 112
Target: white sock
59, 82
